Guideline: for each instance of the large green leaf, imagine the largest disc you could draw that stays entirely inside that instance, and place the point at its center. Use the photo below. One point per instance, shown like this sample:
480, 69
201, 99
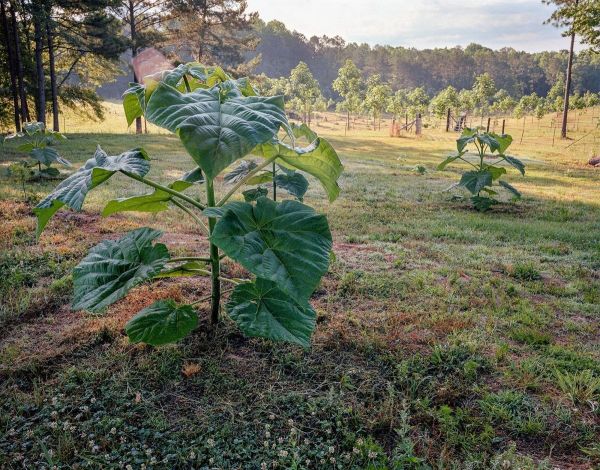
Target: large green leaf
504, 140
260, 178
467, 136
156, 201
292, 182
240, 171
134, 102
475, 181
514, 191
496, 171
488, 139
251, 195
191, 268
319, 160
516, 163
287, 243
47, 156
162, 322
261, 309
112, 268
448, 160
193, 74
482, 203
216, 131
72, 191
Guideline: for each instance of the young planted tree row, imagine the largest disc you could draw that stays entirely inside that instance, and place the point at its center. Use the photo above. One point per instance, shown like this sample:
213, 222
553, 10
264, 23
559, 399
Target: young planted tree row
372, 97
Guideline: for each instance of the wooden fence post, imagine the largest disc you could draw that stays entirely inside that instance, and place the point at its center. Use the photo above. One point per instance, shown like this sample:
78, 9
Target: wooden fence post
487, 129
503, 125
448, 121
418, 125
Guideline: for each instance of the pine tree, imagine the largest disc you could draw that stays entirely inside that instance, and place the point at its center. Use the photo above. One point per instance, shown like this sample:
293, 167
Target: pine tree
211, 31
143, 20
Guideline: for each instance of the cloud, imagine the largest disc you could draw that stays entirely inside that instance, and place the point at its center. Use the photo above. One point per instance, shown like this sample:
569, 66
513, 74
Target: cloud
421, 23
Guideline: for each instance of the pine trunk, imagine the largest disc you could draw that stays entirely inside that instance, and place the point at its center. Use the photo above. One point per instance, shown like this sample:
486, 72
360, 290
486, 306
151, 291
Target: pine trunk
52, 66
40, 104
11, 65
19, 64
563, 132
134, 51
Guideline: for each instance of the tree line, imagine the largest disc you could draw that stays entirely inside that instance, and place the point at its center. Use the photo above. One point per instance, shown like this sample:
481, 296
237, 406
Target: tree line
519, 73
372, 96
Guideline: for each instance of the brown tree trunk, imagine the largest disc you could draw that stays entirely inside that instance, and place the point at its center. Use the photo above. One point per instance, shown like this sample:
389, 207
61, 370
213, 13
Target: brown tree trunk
11, 66
52, 66
202, 32
39, 68
563, 132
134, 51
19, 64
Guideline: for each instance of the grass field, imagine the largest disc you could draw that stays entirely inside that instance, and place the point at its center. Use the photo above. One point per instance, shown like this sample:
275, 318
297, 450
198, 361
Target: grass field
446, 338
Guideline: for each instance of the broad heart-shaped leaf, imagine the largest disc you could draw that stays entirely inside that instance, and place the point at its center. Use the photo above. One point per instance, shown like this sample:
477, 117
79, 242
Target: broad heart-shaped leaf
260, 178
319, 160
489, 140
240, 171
134, 102
251, 195
482, 203
293, 182
448, 160
467, 136
303, 130
154, 202
72, 191
496, 171
162, 322
475, 181
193, 74
191, 268
48, 173
287, 243
112, 268
504, 140
216, 131
32, 128
514, 191
516, 163
262, 310
48, 155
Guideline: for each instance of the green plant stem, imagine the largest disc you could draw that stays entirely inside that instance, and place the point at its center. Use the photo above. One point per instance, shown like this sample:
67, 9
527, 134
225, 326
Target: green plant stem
224, 199
189, 258
214, 257
233, 281
274, 183
467, 161
204, 299
187, 84
192, 215
166, 189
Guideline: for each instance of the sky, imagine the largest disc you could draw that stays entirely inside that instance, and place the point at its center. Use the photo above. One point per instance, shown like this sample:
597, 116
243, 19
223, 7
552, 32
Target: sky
421, 23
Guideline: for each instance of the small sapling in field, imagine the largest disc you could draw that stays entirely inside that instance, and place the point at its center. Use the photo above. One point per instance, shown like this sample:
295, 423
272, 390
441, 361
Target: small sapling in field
480, 180
38, 143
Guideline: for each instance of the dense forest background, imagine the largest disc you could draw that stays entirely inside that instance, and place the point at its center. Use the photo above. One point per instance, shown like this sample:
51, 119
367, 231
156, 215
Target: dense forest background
520, 73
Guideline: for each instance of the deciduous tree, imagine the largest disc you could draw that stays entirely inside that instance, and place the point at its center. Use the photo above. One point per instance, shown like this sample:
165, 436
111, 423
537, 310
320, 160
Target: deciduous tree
347, 84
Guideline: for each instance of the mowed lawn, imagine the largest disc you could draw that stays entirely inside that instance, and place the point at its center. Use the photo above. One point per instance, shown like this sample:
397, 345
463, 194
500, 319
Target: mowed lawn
446, 338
